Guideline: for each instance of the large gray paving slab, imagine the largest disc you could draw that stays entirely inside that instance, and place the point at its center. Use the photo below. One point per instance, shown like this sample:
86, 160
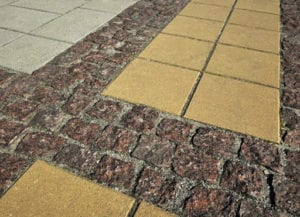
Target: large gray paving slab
113, 6
6, 2
22, 19
55, 6
73, 26
29, 53
7, 36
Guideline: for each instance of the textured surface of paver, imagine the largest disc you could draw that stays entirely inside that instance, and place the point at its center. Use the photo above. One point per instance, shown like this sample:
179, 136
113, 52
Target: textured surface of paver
59, 115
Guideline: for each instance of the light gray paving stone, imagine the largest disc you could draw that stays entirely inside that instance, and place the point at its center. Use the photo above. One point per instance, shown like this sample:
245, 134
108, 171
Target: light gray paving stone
113, 6
56, 6
22, 19
7, 36
29, 53
73, 26
6, 2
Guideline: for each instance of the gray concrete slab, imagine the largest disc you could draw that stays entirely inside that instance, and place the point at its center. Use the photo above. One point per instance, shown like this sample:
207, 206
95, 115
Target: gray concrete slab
6, 2
24, 20
73, 26
55, 6
7, 36
29, 53
113, 6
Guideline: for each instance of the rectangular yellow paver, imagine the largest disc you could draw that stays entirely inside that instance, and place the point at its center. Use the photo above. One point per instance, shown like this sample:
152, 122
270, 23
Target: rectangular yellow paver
255, 19
246, 64
240, 106
227, 3
157, 85
45, 191
206, 11
178, 51
251, 38
148, 210
268, 6
194, 28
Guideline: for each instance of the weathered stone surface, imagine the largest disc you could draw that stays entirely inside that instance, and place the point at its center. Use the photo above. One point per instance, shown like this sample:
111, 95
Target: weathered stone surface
154, 150
115, 172
76, 104
20, 109
81, 47
292, 169
154, 187
47, 95
81, 131
291, 98
292, 138
40, 144
210, 202
8, 130
140, 119
287, 194
242, 179
250, 208
4, 76
10, 167
260, 152
106, 109
76, 157
194, 164
116, 139
174, 130
90, 87
214, 142
290, 119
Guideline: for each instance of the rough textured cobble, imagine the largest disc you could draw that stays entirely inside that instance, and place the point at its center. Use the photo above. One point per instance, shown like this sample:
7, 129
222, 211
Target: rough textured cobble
20, 110
8, 130
250, 208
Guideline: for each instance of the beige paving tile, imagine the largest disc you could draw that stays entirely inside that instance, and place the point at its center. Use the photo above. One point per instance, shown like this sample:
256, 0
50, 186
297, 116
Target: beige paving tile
148, 210
195, 28
269, 6
24, 20
246, 64
29, 53
251, 38
113, 6
48, 191
243, 107
7, 36
206, 11
73, 26
255, 19
157, 85
178, 50
227, 3
56, 6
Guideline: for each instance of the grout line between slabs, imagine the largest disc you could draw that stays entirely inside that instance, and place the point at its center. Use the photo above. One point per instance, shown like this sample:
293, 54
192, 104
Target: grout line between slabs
201, 73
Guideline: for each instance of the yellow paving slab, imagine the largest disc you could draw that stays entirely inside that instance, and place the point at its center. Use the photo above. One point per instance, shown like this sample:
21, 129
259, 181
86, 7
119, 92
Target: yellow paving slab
45, 191
268, 6
251, 38
227, 3
206, 11
157, 85
148, 210
255, 19
194, 28
178, 51
246, 64
239, 106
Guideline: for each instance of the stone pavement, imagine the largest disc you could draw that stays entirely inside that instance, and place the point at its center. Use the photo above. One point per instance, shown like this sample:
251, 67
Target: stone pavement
57, 117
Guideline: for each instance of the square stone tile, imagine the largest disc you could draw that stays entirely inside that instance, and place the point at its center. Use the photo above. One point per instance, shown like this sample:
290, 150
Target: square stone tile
178, 51
146, 209
246, 64
112, 6
251, 38
154, 84
6, 2
206, 11
7, 36
256, 19
55, 6
268, 6
22, 19
48, 191
228, 3
29, 53
194, 28
73, 26
239, 106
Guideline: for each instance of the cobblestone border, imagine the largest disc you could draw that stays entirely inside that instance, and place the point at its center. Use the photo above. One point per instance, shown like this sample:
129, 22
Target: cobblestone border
57, 114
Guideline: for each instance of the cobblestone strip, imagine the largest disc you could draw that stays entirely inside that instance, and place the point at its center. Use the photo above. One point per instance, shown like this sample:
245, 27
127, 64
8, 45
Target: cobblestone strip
58, 114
